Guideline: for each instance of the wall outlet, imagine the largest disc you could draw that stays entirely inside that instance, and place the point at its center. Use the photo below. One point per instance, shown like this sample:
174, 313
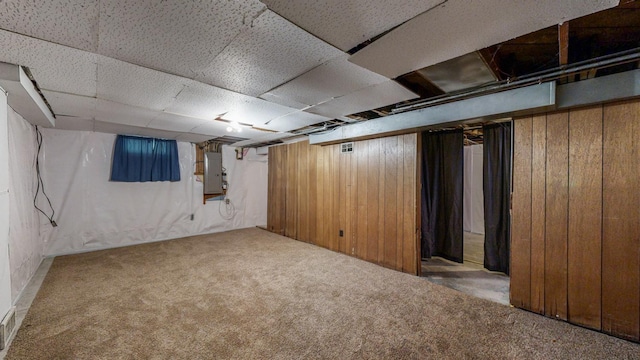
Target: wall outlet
341, 233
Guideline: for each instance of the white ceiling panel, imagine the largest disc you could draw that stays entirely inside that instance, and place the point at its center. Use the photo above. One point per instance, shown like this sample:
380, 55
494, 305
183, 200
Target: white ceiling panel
329, 80
205, 101
219, 128
212, 128
74, 123
179, 37
71, 105
55, 67
282, 101
123, 129
459, 27
113, 128
264, 138
158, 134
256, 111
193, 138
112, 112
67, 22
172, 122
369, 98
294, 121
346, 24
135, 85
266, 55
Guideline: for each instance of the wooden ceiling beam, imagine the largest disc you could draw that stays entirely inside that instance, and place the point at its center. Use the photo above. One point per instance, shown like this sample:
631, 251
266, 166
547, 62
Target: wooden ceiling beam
563, 43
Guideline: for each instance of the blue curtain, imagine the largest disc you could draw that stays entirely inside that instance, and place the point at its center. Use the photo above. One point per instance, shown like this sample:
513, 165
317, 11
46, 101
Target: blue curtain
138, 159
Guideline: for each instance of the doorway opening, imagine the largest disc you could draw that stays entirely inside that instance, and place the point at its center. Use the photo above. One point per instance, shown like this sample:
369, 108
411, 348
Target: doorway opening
454, 253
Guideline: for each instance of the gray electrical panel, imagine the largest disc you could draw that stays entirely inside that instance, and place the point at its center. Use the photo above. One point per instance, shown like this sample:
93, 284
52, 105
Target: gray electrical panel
212, 173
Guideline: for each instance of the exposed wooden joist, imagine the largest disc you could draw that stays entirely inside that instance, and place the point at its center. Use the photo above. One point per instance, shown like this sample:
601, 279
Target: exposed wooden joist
563, 43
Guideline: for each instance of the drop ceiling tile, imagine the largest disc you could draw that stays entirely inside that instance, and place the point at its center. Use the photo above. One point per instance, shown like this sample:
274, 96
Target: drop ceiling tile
282, 101
172, 122
74, 123
193, 138
71, 105
113, 112
179, 37
113, 128
369, 98
427, 39
256, 111
219, 128
294, 121
71, 23
266, 55
158, 134
263, 138
329, 80
346, 24
137, 86
204, 101
212, 128
55, 67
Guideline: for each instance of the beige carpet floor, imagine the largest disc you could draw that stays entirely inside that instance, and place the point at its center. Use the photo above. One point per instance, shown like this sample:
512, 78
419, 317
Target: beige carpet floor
250, 294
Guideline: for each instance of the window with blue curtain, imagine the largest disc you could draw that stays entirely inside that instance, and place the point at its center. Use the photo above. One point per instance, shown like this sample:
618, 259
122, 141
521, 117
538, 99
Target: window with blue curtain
140, 159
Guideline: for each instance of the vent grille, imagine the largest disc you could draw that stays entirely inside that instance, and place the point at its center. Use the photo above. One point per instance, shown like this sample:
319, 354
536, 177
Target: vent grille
346, 147
7, 327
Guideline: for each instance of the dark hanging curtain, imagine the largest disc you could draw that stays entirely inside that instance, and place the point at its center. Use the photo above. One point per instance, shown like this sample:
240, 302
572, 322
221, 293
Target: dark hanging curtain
139, 159
497, 190
441, 196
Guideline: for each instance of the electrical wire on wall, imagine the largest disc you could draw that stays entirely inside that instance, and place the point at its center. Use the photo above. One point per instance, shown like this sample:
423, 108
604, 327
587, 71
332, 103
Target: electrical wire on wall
41, 183
229, 209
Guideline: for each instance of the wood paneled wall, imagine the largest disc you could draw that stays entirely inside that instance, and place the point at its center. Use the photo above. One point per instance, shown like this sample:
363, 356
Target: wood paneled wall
575, 248
370, 194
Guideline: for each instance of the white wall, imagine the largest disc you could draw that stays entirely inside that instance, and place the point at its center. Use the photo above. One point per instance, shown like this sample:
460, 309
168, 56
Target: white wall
5, 275
94, 213
25, 246
473, 197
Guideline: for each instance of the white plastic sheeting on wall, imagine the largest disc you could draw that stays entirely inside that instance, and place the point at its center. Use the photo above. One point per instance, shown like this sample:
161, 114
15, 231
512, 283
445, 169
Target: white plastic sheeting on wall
5, 274
95, 213
25, 245
473, 198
